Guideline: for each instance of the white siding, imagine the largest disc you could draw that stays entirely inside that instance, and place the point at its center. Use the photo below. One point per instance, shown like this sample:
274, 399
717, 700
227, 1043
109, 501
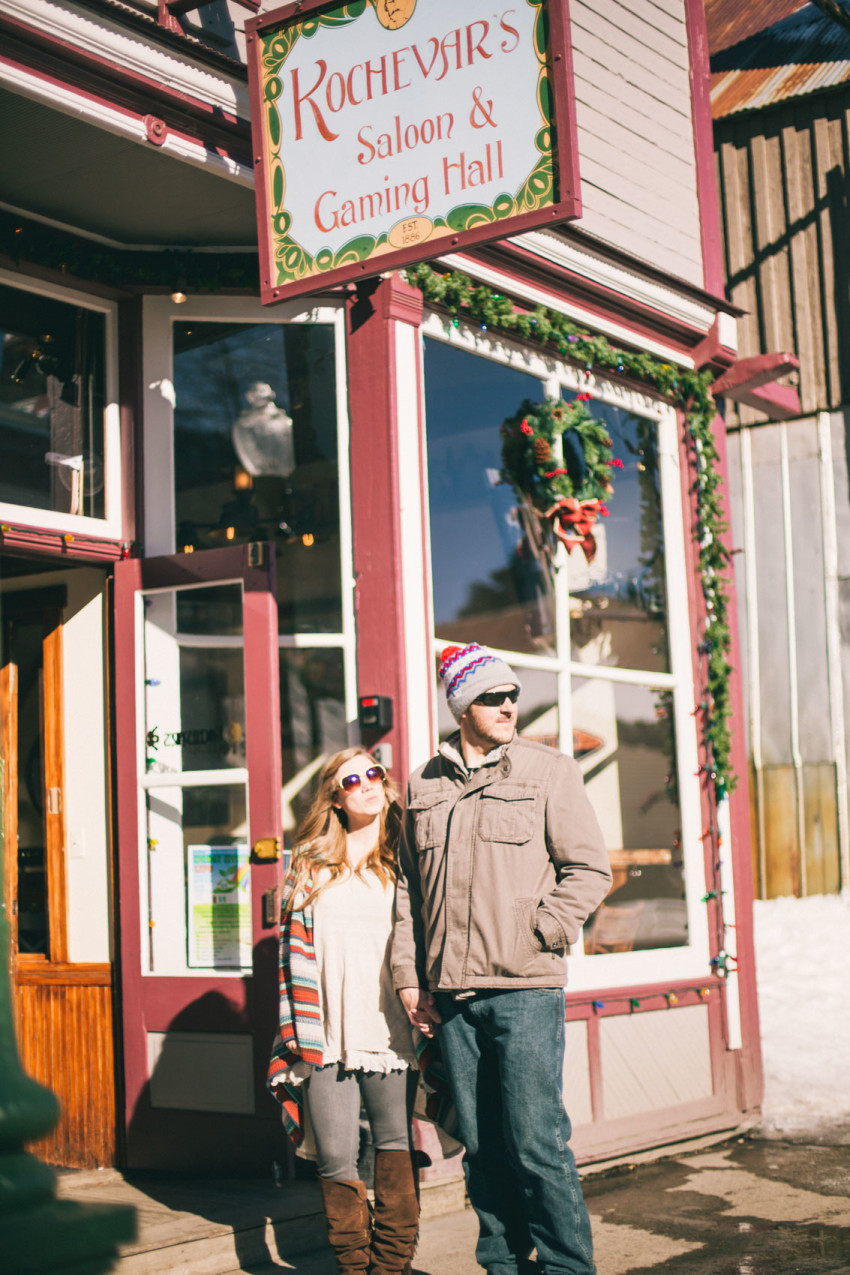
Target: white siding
636, 150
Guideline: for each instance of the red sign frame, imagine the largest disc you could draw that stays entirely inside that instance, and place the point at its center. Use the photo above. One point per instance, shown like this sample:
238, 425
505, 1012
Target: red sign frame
564, 205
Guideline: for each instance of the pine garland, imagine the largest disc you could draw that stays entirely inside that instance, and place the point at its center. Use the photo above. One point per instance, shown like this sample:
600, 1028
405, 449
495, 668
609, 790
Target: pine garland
475, 303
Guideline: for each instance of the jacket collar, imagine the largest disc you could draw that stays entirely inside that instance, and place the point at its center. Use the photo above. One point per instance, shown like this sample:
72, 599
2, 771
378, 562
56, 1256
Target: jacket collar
451, 750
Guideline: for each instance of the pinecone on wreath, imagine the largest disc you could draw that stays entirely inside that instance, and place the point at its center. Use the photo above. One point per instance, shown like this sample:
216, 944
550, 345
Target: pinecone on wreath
542, 451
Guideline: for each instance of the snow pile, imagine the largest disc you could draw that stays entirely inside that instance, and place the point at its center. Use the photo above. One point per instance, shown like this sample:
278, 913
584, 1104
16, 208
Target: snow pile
803, 974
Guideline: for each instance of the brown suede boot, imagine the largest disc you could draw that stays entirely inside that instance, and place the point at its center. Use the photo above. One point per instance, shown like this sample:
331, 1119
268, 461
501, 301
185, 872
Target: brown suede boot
396, 1220
347, 1213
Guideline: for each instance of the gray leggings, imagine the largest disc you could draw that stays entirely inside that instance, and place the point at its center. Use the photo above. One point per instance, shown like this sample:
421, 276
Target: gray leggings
333, 1101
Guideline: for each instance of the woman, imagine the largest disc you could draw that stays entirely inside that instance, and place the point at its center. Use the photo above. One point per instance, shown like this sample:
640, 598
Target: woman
343, 1036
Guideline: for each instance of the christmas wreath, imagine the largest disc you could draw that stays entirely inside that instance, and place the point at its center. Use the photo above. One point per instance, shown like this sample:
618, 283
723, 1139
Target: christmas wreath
558, 458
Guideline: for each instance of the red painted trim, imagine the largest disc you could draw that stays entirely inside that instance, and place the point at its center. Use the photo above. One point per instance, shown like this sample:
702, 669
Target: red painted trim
750, 1065
180, 42
262, 688
562, 79
645, 269
422, 451
709, 212
752, 372
128, 579
594, 1068
520, 264
127, 92
375, 499
15, 538
740, 850
779, 402
616, 1001
712, 352
567, 207
130, 395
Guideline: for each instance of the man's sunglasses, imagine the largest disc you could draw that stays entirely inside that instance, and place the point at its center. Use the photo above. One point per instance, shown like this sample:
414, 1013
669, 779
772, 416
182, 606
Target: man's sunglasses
493, 699
349, 782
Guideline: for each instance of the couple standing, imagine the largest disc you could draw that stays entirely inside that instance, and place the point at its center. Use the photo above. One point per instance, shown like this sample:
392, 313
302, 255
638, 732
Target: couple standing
460, 933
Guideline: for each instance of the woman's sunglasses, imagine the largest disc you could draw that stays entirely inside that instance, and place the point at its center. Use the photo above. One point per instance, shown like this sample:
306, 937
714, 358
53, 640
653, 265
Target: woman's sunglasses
493, 699
349, 782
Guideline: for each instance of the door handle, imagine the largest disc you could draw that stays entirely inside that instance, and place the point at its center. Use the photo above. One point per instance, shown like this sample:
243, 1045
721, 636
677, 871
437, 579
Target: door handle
267, 849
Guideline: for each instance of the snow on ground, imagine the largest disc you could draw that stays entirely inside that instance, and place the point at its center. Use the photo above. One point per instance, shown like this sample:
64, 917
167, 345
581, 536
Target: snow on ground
803, 975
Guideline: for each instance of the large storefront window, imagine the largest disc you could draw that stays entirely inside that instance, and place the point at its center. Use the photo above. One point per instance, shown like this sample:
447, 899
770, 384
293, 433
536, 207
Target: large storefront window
601, 645
255, 454
52, 404
485, 570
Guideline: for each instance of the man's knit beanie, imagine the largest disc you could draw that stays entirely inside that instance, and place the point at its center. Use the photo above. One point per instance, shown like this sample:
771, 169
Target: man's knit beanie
468, 671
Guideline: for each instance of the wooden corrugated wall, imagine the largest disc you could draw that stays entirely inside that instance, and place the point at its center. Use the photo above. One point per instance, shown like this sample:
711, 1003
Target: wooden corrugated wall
784, 192
785, 207
64, 1029
635, 130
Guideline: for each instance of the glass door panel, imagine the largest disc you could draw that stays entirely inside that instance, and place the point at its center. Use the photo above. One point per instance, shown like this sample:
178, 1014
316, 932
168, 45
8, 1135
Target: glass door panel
630, 778
194, 683
198, 867
199, 878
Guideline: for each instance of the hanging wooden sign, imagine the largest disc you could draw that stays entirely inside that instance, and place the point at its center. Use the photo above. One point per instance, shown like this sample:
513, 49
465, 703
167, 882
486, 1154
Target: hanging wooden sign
388, 131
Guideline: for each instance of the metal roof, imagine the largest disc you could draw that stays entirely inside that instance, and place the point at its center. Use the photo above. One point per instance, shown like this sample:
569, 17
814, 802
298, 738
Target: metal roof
791, 55
731, 21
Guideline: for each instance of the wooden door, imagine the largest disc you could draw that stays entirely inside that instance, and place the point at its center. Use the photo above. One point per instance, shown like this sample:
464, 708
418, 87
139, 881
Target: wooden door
63, 1010
199, 822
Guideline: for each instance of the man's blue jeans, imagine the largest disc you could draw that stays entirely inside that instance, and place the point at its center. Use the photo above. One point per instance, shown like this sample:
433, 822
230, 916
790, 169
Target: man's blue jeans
504, 1053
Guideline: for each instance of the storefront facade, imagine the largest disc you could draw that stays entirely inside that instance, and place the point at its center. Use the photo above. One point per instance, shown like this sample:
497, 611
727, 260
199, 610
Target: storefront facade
223, 524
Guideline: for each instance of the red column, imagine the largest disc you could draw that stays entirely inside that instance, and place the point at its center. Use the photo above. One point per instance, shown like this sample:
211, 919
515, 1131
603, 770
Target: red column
374, 311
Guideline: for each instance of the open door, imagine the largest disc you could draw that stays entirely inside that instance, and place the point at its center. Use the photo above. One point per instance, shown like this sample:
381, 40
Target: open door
199, 824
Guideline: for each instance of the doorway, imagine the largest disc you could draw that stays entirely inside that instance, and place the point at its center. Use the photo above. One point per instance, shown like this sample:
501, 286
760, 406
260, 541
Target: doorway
62, 1008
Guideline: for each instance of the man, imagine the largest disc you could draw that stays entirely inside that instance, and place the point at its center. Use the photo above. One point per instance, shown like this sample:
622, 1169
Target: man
502, 861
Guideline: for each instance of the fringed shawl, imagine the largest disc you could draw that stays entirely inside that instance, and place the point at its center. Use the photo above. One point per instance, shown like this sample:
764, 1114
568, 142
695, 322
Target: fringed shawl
299, 1035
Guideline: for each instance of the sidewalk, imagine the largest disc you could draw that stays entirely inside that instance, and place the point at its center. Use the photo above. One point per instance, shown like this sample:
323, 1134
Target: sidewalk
740, 1208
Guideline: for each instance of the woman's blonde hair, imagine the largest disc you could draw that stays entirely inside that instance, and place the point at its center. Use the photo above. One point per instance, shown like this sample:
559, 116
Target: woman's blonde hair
320, 837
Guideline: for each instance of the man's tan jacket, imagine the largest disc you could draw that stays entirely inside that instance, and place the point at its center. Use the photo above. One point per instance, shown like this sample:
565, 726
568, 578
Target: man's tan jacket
500, 869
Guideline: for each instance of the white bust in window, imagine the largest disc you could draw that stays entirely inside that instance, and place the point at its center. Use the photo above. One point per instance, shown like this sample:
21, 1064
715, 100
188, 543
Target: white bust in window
262, 434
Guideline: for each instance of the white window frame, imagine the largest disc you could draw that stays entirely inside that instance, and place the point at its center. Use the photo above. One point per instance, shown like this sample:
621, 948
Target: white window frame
111, 527
588, 972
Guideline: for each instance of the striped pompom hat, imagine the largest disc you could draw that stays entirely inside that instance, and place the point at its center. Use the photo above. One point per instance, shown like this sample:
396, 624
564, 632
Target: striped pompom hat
467, 671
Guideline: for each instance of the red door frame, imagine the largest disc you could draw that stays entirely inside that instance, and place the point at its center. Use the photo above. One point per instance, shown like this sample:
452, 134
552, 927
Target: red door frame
151, 1002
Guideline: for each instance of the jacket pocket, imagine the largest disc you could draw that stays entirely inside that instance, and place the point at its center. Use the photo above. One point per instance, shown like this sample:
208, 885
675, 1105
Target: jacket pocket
507, 813
430, 814
528, 942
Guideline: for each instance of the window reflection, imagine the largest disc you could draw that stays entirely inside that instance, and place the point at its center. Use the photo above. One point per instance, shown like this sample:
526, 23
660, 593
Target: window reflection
630, 777
312, 721
52, 398
194, 695
488, 585
618, 608
256, 454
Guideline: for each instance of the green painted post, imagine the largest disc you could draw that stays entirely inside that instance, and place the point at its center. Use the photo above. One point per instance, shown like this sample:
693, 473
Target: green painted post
38, 1233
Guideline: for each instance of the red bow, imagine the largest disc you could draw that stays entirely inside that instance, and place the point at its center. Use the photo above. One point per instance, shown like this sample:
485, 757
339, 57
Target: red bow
573, 521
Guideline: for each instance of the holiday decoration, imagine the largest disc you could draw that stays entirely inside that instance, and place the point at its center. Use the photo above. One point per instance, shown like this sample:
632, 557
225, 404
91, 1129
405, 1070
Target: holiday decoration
557, 457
